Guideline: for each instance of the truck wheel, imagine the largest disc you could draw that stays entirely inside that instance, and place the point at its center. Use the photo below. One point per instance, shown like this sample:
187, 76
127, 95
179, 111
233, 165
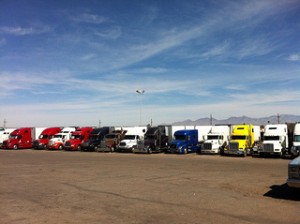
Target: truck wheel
96, 149
79, 148
60, 147
149, 151
112, 149
15, 147
245, 153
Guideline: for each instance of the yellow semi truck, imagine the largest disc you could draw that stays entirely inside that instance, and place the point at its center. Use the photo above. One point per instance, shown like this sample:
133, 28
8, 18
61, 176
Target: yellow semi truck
241, 140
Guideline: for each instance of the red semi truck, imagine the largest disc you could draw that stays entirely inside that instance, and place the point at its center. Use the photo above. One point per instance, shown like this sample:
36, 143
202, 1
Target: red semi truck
78, 137
21, 138
44, 137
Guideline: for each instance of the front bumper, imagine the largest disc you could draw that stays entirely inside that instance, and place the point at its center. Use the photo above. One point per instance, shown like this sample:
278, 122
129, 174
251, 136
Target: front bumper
294, 183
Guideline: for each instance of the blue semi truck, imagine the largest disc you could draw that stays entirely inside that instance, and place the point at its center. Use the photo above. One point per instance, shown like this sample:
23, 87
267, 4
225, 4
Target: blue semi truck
186, 141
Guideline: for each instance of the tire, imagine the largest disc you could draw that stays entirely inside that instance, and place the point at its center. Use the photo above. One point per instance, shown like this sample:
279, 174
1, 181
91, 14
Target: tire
112, 149
79, 148
15, 147
149, 151
60, 147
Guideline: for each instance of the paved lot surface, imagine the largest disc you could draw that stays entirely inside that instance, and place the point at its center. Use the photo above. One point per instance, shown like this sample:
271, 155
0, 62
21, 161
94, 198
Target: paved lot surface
80, 187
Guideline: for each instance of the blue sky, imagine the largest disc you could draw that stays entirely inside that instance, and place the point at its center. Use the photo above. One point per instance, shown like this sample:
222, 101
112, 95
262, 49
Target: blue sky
77, 62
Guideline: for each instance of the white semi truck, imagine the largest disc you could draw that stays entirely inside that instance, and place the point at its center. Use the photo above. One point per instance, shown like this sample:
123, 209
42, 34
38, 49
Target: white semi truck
295, 149
216, 140
275, 140
131, 139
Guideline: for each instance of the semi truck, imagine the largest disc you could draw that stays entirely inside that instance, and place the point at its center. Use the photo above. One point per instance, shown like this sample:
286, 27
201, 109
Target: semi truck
295, 149
94, 140
44, 137
59, 139
22, 138
216, 140
242, 140
155, 140
111, 141
275, 140
131, 139
77, 138
185, 141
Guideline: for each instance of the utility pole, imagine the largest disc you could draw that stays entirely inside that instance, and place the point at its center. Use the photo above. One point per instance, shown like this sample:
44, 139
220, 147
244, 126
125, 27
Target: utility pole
278, 118
4, 123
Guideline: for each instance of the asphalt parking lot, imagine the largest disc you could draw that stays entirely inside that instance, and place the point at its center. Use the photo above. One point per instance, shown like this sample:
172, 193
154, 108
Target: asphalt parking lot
90, 187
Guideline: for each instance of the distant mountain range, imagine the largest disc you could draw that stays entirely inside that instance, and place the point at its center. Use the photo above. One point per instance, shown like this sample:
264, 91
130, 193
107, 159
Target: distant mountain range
275, 119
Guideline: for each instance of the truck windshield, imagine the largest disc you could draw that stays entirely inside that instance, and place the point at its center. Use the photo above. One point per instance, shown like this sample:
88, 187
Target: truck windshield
296, 138
129, 137
44, 136
213, 137
271, 138
238, 137
180, 137
12, 136
57, 136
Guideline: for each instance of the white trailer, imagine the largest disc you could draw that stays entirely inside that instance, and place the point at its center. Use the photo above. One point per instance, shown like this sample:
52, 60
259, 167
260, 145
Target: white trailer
275, 140
4, 134
295, 149
217, 138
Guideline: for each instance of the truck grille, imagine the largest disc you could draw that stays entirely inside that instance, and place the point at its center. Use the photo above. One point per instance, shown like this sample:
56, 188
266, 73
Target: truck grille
234, 146
68, 144
268, 147
173, 146
122, 143
294, 172
207, 146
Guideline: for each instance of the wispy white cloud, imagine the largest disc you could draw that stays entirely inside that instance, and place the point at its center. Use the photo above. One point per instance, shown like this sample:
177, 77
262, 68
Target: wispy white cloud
113, 33
89, 18
294, 57
21, 31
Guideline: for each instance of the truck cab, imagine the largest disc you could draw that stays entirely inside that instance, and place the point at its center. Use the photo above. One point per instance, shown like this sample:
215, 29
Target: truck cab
294, 173
112, 140
44, 137
93, 142
241, 140
20, 138
295, 149
275, 140
59, 139
216, 140
155, 140
77, 138
185, 141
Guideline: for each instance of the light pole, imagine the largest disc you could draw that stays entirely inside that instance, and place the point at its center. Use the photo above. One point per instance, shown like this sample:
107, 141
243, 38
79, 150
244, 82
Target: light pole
140, 93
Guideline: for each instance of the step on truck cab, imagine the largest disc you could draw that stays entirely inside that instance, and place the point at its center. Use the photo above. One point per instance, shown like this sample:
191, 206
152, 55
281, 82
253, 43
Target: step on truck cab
44, 137
132, 138
59, 139
295, 149
241, 140
216, 140
111, 141
94, 140
77, 138
185, 141
275, 140
155, 140
22, 138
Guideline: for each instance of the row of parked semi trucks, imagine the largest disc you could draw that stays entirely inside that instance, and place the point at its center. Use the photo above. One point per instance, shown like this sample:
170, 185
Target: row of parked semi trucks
242, 139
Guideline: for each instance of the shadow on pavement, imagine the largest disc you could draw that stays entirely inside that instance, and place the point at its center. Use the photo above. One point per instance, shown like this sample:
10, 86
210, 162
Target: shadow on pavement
283, 192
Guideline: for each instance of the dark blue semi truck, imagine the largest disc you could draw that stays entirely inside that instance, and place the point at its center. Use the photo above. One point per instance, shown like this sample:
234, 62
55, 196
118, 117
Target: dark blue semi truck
186, 141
